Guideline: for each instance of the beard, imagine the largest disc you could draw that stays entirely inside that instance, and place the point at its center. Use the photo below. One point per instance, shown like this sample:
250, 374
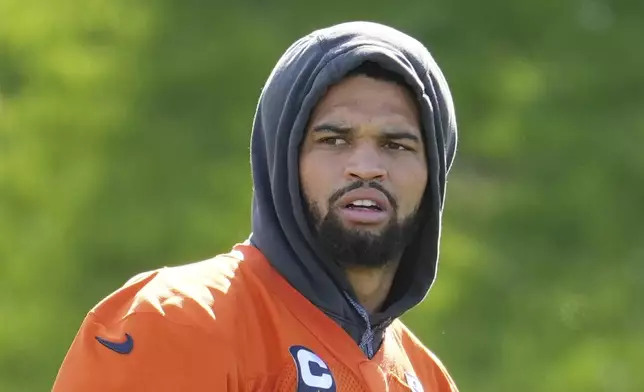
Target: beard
354, 247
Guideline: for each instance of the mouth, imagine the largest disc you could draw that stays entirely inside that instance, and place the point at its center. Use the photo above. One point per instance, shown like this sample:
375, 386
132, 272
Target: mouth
365, 206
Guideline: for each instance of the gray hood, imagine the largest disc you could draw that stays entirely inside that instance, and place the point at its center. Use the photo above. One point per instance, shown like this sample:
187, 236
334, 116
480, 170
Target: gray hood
279, 226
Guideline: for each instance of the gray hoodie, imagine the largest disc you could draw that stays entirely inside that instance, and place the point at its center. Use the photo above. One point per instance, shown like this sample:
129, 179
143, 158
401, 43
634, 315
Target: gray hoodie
279, 226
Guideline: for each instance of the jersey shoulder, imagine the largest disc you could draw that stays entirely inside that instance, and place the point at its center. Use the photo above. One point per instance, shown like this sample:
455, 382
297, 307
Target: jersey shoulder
425, 363
202, 294
167, 329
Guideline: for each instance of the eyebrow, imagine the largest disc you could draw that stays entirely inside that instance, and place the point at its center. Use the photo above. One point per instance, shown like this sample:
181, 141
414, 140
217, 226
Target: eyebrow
391, 134
326, 127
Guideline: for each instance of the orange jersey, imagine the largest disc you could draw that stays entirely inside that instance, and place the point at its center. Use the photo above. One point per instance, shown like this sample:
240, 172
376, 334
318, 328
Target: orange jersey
232, 323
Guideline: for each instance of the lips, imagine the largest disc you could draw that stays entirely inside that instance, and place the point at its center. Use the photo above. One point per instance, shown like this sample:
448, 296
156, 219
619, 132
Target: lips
354, 198
365, 206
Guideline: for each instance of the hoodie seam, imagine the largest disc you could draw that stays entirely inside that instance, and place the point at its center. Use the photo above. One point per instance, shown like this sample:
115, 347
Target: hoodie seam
320, 43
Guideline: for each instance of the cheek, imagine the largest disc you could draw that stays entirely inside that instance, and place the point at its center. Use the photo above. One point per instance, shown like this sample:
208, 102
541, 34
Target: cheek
412, 181
314, 181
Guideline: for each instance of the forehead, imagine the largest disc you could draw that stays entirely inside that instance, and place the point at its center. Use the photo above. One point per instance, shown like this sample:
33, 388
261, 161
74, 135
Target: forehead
361, 98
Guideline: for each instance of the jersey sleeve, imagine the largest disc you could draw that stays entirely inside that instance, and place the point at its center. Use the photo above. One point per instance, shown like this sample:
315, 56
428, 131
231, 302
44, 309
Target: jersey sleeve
443, 380
145, 352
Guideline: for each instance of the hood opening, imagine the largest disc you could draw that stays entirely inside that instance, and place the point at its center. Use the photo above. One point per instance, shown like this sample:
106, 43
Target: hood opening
280, 228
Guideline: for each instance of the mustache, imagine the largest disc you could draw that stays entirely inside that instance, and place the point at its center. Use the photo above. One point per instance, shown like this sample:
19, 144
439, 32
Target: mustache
363, 184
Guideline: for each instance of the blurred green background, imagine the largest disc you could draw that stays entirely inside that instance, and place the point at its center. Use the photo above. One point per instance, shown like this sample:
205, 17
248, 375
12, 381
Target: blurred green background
124, 134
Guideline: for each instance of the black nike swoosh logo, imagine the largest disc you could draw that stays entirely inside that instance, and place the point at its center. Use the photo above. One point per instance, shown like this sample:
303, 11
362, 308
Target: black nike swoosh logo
119, 347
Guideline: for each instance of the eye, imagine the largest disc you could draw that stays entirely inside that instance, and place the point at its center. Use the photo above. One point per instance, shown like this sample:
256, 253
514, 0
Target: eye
332, 141
397, 146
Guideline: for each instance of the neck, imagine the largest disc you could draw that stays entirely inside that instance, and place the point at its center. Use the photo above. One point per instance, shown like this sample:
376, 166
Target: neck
371, 285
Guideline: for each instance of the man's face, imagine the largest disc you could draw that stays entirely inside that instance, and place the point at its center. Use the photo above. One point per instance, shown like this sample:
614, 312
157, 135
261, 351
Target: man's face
363, 171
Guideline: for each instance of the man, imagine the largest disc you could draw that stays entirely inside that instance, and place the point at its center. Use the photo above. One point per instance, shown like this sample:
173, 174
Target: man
353, 138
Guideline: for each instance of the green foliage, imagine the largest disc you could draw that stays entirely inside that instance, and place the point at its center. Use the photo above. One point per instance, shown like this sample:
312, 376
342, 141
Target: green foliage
124, 133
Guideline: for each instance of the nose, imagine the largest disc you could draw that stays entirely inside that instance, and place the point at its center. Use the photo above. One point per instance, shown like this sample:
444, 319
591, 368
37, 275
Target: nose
365, 163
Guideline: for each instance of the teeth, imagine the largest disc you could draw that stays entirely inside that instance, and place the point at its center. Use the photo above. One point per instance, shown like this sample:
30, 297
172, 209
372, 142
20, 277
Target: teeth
364, 203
